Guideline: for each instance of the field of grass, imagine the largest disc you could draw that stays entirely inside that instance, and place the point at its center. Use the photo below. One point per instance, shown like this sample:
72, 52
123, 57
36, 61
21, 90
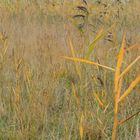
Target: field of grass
69, 70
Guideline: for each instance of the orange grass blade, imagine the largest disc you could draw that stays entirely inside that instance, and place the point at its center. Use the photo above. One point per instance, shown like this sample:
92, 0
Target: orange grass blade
99, 100
81, 130
119, 62
130, 88
88, 62
118, 87
129, 67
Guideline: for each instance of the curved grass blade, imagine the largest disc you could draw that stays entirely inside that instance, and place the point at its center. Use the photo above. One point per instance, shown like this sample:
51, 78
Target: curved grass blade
128, 118
88, 62
118, 85
79, 16
82, 8
130, 88
99, 36
74, 55
119, 62
129, 67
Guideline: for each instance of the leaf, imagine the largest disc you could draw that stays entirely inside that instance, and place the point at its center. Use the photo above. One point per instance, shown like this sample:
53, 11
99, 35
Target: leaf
82, 8
130, 88
99, 100
78, 16
119, 63
128, 118
100, 35
88, 62
73, 55
129, 67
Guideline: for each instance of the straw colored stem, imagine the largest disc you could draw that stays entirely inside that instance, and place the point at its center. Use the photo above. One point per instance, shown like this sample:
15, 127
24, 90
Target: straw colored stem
88, 62
129, 67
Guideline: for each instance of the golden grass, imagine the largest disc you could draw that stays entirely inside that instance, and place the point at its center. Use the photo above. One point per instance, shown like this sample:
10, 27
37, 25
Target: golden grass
118, 79
129, 67
88, 62
117, 89
43, 96
99, 36
130, 88
119, 63
74, 55
81, 130
99, 100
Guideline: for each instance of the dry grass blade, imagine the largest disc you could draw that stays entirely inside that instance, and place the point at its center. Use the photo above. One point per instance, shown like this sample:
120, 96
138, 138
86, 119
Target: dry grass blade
118, 87
129, 67
106, 107
88, 62
71, 48
99, 100
79, 16
100, 34
128, 118
75, 95
133, 47
82, 8
130, 88
74, 55
81, 130
119, 62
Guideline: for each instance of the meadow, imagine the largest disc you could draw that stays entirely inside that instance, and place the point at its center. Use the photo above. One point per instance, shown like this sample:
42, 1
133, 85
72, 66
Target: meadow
69, 70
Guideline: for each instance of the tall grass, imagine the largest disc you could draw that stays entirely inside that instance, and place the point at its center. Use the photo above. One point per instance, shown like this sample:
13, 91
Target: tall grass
118, 83
44, 95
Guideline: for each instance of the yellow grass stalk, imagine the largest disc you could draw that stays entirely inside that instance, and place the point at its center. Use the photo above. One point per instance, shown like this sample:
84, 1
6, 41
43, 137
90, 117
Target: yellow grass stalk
99, 100
106, 107
118, 88
18, 64
129, 67
2, 37
88, 62
17, 91
81, 130
5, 48
75, 95
130, 88
118, 78
116, 108
74, 55
119, 63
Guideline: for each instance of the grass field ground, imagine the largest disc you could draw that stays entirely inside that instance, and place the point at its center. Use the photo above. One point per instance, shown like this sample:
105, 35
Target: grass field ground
69, 70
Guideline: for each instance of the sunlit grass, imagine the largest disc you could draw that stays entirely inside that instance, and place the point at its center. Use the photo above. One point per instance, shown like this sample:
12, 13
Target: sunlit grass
69, 70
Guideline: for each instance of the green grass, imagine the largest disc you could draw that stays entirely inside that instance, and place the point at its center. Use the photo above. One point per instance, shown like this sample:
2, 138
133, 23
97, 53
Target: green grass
42, 95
